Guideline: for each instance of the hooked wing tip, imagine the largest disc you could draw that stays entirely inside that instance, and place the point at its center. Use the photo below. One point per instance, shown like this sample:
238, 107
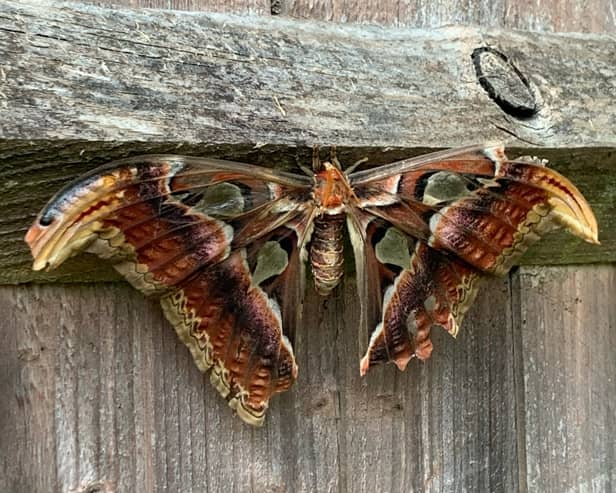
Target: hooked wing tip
401, 362
568, 205
581, 223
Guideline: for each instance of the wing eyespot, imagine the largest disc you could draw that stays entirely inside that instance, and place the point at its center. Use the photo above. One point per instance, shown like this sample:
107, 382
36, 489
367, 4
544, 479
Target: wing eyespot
46, 220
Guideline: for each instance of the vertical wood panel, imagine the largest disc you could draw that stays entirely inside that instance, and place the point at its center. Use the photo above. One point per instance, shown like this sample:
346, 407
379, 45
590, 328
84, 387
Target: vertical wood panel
567, 323
119, 405
28, 430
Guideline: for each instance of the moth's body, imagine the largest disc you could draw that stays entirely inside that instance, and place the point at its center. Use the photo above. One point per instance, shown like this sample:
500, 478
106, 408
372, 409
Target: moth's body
332, 194
223, 245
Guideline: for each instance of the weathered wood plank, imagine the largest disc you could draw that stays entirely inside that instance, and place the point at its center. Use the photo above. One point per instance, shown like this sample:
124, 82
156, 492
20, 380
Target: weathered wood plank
28, 424
597, 16
99, 392
565, 345
561, 15
92, 73
544, 15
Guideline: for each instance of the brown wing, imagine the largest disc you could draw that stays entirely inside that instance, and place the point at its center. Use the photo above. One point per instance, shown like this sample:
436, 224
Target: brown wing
217, 241
442, 222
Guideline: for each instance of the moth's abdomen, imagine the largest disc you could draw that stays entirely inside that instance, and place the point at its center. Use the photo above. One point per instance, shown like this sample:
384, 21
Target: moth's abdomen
327, 252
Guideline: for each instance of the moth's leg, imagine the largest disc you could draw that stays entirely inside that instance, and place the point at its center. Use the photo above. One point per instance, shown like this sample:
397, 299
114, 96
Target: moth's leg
316, 160
351, 168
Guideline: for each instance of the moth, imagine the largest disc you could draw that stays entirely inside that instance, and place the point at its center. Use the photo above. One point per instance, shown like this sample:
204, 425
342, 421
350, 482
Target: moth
224, 246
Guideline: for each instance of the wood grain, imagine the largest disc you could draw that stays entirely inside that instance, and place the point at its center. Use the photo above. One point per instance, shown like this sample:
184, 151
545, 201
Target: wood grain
258, 7
561, 15
598, 16
100, 394
415, 13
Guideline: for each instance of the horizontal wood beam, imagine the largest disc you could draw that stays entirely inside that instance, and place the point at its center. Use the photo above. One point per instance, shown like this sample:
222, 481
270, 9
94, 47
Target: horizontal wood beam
85, 72
80, 85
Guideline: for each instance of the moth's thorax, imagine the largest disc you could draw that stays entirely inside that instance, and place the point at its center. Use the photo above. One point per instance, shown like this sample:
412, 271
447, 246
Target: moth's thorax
332, 189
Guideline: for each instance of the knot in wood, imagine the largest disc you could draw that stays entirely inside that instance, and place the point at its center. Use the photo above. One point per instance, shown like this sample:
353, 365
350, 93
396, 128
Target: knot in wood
504, 83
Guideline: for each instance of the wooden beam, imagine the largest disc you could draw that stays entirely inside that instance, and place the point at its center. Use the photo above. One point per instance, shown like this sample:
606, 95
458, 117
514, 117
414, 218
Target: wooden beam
81, 85
87, 72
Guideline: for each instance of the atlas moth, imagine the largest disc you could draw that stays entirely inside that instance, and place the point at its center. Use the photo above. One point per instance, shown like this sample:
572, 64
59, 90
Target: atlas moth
224, 246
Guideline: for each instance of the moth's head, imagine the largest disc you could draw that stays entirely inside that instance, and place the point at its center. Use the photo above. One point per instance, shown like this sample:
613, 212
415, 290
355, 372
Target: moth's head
332, 187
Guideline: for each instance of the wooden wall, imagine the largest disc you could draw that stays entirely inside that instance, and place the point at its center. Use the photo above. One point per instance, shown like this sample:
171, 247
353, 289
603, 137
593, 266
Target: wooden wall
98, 395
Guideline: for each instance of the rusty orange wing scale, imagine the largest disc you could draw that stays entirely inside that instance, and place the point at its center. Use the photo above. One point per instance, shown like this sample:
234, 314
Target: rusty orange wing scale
223, 245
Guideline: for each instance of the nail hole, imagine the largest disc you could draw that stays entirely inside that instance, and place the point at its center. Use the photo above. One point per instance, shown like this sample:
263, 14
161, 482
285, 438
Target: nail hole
504, 83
